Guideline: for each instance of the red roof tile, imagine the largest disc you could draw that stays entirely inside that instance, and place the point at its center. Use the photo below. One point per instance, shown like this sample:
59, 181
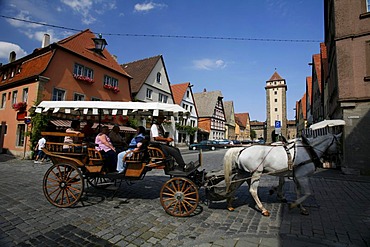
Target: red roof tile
30, 67
82, 44
178, 91
309, 87
317, 62
243, 118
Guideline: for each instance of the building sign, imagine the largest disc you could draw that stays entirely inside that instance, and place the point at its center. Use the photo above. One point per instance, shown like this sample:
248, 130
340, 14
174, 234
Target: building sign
277, 127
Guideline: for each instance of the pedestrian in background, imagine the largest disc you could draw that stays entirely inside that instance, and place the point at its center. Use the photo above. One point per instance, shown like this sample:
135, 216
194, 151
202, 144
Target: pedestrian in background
40, 153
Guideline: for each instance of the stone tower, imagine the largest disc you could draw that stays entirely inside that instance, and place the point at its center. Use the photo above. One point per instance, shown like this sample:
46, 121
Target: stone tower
275, 106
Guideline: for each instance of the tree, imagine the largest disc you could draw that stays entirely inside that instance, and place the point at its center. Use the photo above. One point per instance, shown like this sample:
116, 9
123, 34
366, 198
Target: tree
253, 134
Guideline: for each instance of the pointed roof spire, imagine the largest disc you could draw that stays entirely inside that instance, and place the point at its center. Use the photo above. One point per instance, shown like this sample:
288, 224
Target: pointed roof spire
275, 76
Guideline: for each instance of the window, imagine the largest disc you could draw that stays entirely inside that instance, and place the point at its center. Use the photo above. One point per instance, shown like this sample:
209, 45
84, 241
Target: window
149, 93
275, 100
25, 95
191, 109
368, 5
78, 97
20, 134
187, 94
58, 94
3, 100
95, 99
82, 70
78, 69
14, 97
110, 81
275, 92
159, 77
276, 109
89, 73
162, 98
367, 54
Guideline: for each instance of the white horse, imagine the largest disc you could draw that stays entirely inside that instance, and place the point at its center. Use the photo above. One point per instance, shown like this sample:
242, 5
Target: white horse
273, 160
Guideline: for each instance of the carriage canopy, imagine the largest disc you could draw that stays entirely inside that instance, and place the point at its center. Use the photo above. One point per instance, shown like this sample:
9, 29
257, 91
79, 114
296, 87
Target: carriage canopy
111, 108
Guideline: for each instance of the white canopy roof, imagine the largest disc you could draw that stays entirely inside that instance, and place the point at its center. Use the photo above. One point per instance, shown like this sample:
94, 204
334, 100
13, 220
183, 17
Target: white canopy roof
110, 108
327, 123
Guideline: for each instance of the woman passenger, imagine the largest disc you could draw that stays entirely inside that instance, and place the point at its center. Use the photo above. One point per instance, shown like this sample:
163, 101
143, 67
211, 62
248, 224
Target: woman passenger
104, 145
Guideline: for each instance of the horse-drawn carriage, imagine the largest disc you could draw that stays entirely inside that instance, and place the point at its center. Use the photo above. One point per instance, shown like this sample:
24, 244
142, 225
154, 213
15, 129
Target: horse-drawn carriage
65, 180
76, 165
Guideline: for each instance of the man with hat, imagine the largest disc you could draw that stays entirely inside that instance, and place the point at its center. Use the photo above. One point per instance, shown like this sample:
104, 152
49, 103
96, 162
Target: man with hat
157, 136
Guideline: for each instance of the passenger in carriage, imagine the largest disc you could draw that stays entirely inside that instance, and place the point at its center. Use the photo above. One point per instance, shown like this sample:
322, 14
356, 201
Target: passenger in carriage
137, 143
108, 151
157, 137
75, 129
117, 140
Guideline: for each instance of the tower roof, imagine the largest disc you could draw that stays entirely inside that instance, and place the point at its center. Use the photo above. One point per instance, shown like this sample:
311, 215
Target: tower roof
275, 77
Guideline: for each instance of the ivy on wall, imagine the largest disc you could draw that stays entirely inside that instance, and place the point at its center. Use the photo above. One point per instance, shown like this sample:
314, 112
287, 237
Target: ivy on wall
186, 128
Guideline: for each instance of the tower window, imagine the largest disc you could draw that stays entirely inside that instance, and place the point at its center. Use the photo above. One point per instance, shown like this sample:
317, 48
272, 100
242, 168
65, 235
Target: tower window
275, 92
275, 100
276, 109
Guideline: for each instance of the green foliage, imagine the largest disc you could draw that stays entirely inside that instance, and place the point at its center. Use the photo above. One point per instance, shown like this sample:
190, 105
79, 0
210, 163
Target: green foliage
39, 123
186, 128
133, 123
253, 134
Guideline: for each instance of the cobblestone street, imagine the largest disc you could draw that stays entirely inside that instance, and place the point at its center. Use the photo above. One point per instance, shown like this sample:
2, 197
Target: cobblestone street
339, 214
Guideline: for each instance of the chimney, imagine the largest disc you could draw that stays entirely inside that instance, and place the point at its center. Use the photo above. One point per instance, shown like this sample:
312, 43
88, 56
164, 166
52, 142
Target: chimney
45, 40
12, 57
115, 57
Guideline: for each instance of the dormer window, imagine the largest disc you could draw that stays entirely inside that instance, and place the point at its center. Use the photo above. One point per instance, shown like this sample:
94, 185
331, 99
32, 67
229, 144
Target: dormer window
159, 77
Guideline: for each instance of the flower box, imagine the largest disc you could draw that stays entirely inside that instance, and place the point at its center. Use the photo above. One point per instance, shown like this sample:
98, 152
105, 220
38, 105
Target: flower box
109, 87
84, 79
20, 106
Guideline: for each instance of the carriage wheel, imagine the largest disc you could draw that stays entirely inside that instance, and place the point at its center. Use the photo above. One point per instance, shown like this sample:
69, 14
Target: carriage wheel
63, 185
99, 182
179, 196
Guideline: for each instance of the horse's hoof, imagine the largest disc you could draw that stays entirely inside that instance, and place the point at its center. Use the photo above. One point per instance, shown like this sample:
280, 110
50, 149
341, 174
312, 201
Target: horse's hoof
266, 213
230, 209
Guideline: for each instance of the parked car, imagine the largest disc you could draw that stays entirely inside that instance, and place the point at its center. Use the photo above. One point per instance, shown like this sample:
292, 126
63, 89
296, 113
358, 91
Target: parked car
235, 142
247, 141
206, 144
223, 143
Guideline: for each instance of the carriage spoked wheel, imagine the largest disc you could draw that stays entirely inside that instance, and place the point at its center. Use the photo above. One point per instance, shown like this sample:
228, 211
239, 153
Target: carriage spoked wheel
63, 185
179, 196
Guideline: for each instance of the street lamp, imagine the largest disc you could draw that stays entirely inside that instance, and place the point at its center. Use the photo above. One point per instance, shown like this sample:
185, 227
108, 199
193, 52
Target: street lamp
100, 43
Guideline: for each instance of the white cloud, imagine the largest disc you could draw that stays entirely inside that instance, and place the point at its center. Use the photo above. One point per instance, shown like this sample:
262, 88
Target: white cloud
6, 48
209, 64
146, 7
84, 8
24, 15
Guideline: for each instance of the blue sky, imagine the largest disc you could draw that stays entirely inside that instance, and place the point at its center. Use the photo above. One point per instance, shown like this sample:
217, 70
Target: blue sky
238, 68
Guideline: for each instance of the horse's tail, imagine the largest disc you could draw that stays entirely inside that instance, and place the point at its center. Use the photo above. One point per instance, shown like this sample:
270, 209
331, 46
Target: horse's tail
230, 159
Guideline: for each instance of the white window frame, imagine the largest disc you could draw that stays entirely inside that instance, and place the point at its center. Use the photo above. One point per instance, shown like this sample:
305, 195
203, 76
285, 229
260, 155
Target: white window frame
25, 95
111, 81
58, 94
14, 97
162, 98
78, 97
149, 93
3, 100
80, 69
368, 5
159, 78
21, 132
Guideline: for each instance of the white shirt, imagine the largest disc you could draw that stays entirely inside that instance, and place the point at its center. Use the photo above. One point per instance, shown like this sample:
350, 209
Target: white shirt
41, 143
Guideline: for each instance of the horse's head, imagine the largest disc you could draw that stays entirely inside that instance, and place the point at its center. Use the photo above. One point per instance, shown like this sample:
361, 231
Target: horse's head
325, 144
